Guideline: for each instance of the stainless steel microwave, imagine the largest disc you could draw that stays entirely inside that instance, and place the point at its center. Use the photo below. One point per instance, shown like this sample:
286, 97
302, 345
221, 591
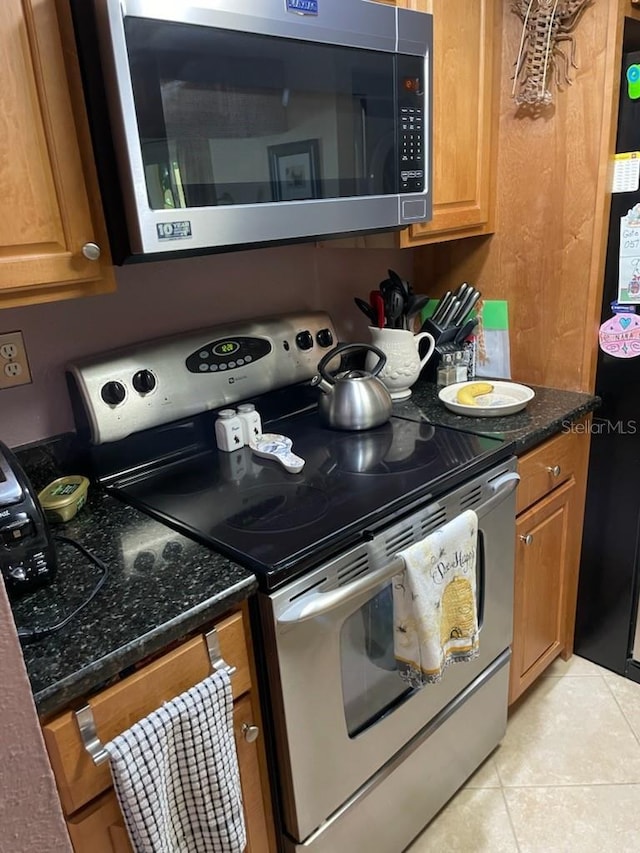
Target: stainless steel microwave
245, 122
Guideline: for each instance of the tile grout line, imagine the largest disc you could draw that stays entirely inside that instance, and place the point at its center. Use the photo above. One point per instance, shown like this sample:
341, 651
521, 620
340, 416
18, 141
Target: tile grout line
509, 816
615, 699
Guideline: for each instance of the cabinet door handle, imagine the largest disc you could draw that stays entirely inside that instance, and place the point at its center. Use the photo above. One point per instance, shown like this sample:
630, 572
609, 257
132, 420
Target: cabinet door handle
251, 733
527, 539
91, 251
555, 470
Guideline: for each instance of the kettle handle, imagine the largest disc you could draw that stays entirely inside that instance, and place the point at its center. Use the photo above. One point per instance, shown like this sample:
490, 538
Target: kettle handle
341, 349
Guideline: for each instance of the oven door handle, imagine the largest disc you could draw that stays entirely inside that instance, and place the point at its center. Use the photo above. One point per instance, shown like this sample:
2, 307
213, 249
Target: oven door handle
318, 603
501, 487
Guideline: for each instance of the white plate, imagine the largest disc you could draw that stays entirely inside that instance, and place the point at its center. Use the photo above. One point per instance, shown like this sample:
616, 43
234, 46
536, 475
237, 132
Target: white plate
505, 399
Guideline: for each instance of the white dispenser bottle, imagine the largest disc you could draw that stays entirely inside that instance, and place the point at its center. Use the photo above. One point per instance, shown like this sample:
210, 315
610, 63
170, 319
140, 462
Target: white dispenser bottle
228, 429
251, 423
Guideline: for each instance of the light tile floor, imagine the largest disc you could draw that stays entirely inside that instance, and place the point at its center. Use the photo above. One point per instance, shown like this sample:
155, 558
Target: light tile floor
565, 779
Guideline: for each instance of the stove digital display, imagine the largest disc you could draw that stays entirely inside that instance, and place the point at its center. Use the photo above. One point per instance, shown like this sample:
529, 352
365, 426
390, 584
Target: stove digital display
226, 348
227, 354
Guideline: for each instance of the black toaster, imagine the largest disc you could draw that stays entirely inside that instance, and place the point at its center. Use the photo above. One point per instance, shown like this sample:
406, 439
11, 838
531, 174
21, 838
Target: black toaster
27, 555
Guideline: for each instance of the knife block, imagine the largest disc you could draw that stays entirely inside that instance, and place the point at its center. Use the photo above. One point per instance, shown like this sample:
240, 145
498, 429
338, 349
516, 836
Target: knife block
445, 344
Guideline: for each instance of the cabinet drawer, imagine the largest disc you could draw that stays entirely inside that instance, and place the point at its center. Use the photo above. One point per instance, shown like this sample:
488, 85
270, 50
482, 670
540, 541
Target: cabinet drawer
120, 706
548, 466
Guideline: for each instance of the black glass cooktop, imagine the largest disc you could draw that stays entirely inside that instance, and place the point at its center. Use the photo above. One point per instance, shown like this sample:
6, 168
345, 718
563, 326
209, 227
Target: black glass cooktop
280, 524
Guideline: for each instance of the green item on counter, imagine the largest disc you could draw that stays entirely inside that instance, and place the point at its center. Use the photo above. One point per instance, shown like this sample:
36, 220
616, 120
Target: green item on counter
64, 497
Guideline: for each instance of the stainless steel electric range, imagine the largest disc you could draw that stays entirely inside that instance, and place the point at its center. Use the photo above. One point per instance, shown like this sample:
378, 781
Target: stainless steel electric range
360, 759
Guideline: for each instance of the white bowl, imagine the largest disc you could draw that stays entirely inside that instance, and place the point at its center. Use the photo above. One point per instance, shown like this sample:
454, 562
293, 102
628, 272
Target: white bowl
505, 399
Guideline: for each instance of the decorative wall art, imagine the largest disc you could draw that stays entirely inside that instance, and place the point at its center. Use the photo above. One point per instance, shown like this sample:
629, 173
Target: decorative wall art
545, 24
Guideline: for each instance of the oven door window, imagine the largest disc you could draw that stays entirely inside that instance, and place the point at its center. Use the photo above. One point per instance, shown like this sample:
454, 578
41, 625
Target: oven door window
371, 686
236, 118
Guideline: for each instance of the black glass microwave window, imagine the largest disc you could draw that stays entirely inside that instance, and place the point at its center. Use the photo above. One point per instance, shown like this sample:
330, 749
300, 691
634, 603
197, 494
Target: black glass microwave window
296, 120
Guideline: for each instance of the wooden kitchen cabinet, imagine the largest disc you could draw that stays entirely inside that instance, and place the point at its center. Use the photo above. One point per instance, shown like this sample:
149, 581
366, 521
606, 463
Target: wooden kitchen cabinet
466, 48
52, 218
93, 817
550, 506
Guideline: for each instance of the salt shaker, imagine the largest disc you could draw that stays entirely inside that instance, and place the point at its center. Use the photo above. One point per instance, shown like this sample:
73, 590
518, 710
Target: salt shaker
446, 370
461, 361
228, 429
251, 423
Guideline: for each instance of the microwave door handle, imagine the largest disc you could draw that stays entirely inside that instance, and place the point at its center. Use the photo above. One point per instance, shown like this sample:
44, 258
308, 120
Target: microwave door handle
501, 487
318, 603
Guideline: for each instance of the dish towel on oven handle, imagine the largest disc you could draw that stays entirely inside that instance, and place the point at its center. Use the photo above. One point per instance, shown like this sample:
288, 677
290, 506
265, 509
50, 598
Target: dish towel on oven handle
176, 774
434, 602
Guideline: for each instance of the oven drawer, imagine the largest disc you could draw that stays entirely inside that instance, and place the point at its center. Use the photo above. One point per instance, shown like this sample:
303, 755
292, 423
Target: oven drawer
118, 707
396, 804
546, 467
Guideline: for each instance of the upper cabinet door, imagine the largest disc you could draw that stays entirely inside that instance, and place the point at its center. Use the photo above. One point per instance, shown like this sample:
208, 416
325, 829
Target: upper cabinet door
464, 114
47, 225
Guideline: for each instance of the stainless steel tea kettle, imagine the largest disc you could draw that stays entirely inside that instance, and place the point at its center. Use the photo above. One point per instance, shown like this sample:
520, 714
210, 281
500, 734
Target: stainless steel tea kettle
354, 399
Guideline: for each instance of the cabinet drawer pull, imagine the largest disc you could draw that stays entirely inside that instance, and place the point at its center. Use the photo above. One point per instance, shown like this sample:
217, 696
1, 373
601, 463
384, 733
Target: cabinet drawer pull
251, 733
527, 539
91, 251
555, 470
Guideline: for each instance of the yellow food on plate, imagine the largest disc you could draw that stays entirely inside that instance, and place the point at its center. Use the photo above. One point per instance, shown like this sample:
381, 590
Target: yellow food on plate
467, 395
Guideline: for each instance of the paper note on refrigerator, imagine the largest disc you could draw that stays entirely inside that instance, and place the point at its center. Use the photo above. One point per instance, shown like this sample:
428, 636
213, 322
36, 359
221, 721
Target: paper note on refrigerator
626, 172
629, 269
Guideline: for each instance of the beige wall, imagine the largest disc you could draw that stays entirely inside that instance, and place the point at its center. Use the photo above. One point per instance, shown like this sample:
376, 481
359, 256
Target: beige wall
30, 816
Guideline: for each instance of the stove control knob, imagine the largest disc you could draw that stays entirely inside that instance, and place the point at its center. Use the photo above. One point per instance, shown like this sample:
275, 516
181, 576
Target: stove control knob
304, 340
144, 381
113, 393
325, 337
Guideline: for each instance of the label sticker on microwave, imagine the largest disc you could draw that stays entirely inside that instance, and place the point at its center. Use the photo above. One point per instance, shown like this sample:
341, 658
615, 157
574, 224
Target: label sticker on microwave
174, 230
303, 7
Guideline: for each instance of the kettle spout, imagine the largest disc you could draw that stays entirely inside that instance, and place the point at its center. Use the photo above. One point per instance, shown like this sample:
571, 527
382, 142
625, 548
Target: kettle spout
320, 382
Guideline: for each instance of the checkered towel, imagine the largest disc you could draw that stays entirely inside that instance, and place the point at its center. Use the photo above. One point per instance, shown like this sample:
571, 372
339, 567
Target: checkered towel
176, 774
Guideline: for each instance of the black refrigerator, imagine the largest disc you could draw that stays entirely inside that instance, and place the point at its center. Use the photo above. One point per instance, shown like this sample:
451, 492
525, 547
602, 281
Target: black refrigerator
609, 583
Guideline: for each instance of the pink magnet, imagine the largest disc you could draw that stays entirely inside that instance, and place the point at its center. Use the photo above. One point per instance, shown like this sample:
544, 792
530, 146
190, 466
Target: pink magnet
619, 336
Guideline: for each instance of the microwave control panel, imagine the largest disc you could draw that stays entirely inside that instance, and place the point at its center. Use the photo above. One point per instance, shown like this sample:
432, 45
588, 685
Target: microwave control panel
411, 149
412, 121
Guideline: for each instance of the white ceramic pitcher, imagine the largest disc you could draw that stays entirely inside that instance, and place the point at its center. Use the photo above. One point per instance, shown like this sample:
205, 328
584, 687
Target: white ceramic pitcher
403, 359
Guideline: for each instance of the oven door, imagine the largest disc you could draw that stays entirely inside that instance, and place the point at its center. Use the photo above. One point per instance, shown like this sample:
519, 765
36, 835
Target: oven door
243, 122
340, 709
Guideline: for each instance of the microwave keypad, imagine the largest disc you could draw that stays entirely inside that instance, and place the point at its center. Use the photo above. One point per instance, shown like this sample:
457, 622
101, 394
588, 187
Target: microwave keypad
411, 153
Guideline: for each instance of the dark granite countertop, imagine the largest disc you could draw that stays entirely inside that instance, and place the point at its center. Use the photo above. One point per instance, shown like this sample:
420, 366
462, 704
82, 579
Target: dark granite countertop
548, 413
146, 603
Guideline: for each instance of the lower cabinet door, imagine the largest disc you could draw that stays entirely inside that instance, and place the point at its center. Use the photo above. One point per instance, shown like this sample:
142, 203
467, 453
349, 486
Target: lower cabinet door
248, 743
543, 543
99, 827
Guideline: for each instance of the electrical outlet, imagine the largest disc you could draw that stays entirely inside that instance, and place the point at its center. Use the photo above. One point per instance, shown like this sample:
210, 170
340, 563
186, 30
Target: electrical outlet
14, 367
